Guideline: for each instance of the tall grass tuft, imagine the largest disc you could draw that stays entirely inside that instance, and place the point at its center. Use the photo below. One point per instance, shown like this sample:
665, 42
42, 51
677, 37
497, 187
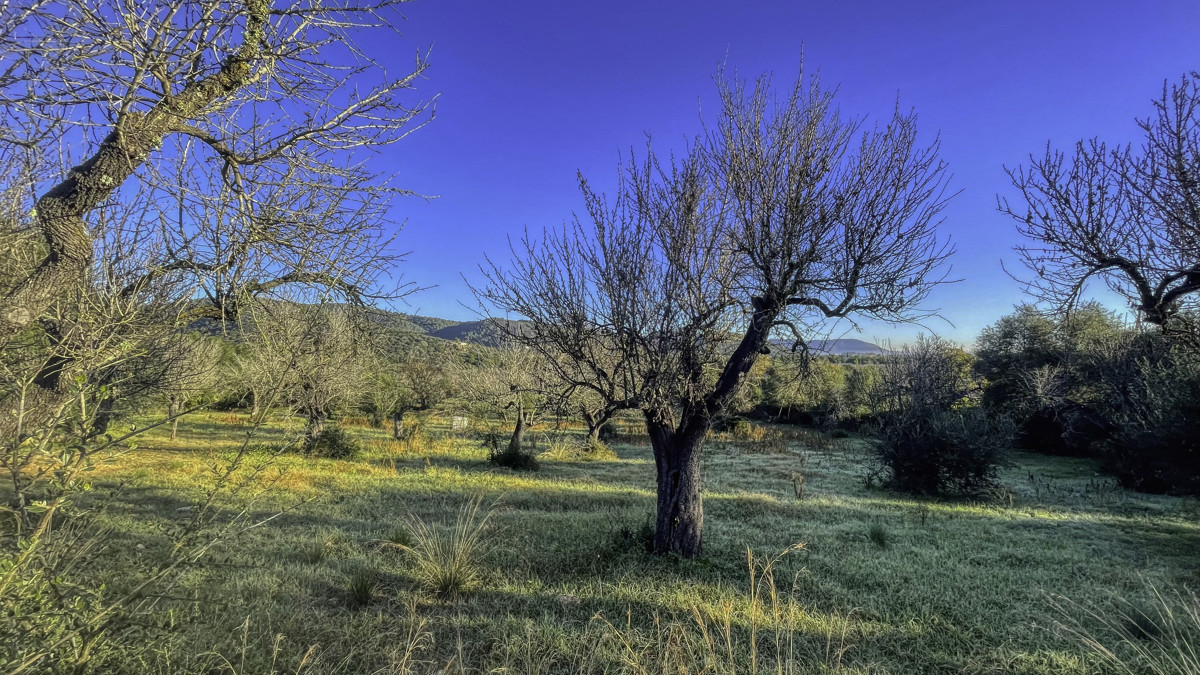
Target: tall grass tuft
1158, 638
362, 587
448, 564
771, 633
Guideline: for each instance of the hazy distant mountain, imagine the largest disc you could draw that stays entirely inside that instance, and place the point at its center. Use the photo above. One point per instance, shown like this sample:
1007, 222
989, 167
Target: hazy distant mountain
479, 332
848, 346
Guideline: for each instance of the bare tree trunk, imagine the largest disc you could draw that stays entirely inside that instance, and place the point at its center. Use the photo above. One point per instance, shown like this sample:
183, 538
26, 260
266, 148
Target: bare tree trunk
316, 424
173, 412
680, 521
518, 435
61, 210
397, 418
254, 402
595, 421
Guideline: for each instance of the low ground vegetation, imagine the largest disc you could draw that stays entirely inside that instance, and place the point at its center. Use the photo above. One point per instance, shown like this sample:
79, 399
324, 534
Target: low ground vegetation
431, 559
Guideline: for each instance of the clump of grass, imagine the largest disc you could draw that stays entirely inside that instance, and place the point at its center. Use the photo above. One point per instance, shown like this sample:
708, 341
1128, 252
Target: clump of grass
799, 481
754, 637
639, 538
879, 535
448, 565
400, 538
361, 589
591, 450
1158, 637
313, 552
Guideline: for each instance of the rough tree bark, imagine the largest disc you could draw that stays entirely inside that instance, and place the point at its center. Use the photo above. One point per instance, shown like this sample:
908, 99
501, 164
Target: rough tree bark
397, 419
61, 210
680, 523
517, 441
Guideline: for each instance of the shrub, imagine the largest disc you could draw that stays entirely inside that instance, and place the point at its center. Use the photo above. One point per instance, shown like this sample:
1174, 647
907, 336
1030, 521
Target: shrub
933, 437
879, 535
517, 460
929, 452
334, 443
447, 565
1156, 448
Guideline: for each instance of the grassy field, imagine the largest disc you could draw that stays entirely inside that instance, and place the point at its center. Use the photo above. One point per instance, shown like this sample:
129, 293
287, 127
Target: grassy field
882, 584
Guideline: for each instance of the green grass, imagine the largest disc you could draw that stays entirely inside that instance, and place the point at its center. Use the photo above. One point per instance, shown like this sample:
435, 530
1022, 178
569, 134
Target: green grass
956, 586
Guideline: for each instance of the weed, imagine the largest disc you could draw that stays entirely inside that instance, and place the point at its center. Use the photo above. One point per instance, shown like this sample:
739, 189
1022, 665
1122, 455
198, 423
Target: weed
314, 552
639, 538
798, 482
448, 565
362, 587
923, 511
1158, 637
879, 535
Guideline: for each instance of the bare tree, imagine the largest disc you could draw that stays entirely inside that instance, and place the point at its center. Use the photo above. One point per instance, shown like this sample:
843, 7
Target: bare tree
322, 349
782, 216
517, 385
190, 370
219, 149
397, 387
1129, 217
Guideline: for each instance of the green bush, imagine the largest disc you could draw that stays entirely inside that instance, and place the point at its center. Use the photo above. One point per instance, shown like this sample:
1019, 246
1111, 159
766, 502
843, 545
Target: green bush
334, 443
517, 460
1156, 448
932, 451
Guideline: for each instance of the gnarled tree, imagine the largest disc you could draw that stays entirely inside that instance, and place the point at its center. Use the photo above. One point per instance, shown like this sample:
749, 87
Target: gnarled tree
1128, 217
783, 216
218, 150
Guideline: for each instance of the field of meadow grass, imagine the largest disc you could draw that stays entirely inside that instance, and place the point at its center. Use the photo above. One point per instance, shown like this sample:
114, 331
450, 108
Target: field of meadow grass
421, 557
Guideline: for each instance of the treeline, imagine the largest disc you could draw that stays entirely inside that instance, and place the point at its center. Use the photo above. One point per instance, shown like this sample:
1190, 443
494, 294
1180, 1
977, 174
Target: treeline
1082, 384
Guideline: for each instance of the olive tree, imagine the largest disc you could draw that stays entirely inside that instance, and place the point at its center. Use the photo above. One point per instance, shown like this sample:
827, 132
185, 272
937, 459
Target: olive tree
1128, 217
517, 384
782, 216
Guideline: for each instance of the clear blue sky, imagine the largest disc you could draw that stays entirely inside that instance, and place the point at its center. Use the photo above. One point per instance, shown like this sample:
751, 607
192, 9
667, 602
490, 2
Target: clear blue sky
532, 91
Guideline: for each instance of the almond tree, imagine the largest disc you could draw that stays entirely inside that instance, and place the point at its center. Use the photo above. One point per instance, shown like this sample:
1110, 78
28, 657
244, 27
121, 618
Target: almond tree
191, 368
1128, 217
218, 155
782, 216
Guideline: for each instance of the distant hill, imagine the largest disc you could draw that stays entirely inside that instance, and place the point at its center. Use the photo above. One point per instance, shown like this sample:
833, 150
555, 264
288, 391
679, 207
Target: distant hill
479, 332
848, 346
419, 327
839, 347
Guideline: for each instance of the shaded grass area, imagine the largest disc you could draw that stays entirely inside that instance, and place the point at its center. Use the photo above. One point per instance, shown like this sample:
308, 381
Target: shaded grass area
959, 586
